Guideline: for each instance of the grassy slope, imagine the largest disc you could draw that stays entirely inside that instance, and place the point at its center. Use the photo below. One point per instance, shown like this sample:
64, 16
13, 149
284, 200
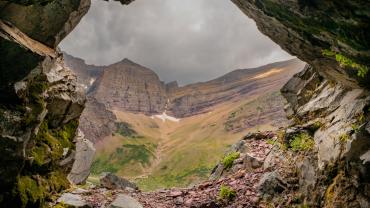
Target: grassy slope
168, 154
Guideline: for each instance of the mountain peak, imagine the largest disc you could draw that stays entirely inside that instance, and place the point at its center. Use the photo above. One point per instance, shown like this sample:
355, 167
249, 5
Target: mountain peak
127, 61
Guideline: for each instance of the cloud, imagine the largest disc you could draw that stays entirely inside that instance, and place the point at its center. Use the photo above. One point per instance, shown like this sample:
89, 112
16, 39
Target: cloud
184, 40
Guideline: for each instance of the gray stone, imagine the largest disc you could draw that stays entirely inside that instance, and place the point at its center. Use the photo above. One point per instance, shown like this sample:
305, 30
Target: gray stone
365, 157
217, 171
307, 176
367, 127
124, 201
84, 157
273, 159
250, 162
111, 181
72, 200
270, 184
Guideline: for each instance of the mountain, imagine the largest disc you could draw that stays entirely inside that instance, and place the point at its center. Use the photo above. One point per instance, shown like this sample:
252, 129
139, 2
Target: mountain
130, 87
199, 97
127, 86
157, 133
86, 74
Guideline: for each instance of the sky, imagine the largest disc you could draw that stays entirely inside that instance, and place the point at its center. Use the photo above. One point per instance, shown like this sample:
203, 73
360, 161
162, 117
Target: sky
184, 40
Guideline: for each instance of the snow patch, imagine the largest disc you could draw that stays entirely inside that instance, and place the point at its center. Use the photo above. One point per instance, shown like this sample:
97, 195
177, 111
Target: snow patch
92, 80
164, 117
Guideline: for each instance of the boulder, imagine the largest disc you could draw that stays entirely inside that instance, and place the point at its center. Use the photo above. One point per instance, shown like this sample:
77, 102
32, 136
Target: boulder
84, 158
73, 200
270, 184
246, 162
111, 181
124, 201
250, 162
274, 158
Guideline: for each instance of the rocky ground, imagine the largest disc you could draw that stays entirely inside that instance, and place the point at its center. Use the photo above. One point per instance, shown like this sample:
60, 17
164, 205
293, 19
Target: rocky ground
243, 178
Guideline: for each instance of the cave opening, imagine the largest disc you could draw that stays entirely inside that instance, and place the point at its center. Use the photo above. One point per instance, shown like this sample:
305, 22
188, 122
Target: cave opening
165, 133
170, 82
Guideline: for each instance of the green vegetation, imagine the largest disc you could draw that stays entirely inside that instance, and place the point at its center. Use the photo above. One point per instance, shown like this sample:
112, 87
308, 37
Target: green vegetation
317, 125
227, 193
125, 129
344, 138
32, 192
344, 61
50, 143
229, 159
302, 142
121, 157
355, 127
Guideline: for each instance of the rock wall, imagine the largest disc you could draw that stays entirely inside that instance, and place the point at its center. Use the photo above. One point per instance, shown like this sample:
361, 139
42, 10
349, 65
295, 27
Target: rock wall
330, 93
342, 141
40, 102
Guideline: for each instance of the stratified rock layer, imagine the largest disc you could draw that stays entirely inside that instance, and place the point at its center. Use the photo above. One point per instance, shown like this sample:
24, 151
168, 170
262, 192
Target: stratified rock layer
129, 86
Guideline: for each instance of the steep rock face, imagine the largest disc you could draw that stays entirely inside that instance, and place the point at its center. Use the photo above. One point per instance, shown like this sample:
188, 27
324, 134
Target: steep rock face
131, 87
96, 120
40, 102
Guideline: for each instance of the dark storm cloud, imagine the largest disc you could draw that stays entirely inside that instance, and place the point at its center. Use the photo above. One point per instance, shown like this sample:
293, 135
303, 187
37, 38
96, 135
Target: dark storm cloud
184, 40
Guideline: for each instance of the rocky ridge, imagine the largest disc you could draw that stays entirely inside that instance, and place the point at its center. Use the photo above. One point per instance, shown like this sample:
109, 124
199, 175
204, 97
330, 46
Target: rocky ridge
127, 86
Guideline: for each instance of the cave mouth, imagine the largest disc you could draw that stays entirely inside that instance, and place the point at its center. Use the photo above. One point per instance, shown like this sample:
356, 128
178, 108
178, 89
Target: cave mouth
183, 41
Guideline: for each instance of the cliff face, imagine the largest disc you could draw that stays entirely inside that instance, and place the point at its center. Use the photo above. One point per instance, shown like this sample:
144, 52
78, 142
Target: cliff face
96, 120
40, 102
127, 86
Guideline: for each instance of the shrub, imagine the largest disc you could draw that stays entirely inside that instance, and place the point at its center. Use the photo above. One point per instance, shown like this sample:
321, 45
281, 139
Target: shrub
227, 193
302, 142
229, 159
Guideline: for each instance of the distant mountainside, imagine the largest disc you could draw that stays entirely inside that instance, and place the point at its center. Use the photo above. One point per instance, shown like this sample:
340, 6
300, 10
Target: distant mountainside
130, 114
128, 86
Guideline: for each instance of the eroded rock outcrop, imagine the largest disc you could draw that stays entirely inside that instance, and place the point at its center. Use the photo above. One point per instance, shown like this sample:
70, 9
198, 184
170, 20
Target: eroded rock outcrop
40, 102
340, 115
